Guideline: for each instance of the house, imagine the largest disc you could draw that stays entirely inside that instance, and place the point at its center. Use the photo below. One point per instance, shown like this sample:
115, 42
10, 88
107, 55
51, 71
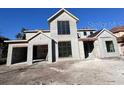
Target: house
62, 42
119, 33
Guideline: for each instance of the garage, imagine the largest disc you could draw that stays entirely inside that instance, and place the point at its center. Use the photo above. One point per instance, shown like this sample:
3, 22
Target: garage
40, 53
19, 55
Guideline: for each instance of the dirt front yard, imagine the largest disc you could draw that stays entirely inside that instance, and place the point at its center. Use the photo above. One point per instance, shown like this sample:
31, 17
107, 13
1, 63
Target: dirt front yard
89, 72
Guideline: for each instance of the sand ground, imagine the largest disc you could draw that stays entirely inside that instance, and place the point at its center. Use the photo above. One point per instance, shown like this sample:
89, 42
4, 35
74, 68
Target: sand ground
87, 72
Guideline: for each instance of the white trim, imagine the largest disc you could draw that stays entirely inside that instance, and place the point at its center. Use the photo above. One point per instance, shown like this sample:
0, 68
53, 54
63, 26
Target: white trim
64, 11
21, 41
104, 29
9, 41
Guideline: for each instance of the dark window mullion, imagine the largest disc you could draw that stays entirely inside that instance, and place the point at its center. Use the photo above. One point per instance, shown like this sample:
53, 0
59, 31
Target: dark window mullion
68, 28
60, 27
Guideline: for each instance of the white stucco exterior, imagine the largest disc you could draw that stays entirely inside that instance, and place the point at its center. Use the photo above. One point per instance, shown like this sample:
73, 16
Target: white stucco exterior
102, 51
51, 38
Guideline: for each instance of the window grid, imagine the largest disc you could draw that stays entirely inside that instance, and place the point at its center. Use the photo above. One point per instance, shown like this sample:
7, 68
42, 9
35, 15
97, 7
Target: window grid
64, 49
110, 46
63, 27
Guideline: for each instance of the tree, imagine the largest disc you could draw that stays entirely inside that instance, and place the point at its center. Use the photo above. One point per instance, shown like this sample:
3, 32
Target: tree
3, 47
21, 34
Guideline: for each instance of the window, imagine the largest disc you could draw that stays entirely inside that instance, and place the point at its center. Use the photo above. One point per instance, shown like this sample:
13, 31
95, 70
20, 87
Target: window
85, 33
91, 32
79, 35
63, 27
110, 46
64, 49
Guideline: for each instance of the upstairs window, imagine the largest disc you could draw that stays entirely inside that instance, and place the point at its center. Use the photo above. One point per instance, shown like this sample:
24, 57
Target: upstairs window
91, 32
63, 27
78, 35
85, 33
110, 46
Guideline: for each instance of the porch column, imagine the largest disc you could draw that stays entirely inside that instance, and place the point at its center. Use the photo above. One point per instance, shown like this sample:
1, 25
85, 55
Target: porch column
81, 50
30, 54
56, 50
9, 55
50, 51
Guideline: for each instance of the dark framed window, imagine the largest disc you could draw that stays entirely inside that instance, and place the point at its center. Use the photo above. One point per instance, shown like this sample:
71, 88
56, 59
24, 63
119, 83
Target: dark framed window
110, 46
85, 33
63, 27
91, 32
78, 35
64, 49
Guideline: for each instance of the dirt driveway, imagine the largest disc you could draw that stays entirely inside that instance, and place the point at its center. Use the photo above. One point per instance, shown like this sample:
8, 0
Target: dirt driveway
107, 71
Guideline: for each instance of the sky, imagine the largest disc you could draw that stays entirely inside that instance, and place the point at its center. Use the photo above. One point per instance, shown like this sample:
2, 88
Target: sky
12, 20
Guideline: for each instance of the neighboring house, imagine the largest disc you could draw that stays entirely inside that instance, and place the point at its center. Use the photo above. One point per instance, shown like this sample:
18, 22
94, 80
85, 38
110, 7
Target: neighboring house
119, 33
62, 42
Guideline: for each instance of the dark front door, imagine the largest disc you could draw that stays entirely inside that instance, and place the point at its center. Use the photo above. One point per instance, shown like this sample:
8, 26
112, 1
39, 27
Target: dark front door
88, 48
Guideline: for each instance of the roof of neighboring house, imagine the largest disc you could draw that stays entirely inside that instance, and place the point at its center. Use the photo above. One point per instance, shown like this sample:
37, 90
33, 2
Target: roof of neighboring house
117, 29
59, 13
120, 39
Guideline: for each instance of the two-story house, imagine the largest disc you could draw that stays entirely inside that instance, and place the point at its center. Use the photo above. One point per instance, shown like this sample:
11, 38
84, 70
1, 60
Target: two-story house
62, 42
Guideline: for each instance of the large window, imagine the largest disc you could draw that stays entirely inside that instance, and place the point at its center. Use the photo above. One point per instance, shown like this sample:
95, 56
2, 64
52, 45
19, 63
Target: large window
63, 27
64, 49
110, 46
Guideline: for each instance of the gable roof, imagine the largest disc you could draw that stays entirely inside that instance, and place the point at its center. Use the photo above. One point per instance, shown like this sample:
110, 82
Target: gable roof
96, 34
59, 13
25, 41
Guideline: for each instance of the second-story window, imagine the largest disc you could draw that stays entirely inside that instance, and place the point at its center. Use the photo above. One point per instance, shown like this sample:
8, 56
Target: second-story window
63, 27
91, 32
85, 33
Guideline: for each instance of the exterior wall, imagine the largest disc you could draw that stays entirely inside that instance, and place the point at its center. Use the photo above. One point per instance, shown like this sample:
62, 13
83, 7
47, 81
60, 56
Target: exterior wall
119, 34
0, 53
81, 50
29, 35
81, 33
72, 37
96, 49
105, 36
121, 48
39, 40
10, 50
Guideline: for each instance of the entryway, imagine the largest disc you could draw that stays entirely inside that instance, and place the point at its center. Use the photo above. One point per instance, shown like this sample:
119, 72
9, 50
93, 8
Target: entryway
19, 55
88, 48
40, 53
